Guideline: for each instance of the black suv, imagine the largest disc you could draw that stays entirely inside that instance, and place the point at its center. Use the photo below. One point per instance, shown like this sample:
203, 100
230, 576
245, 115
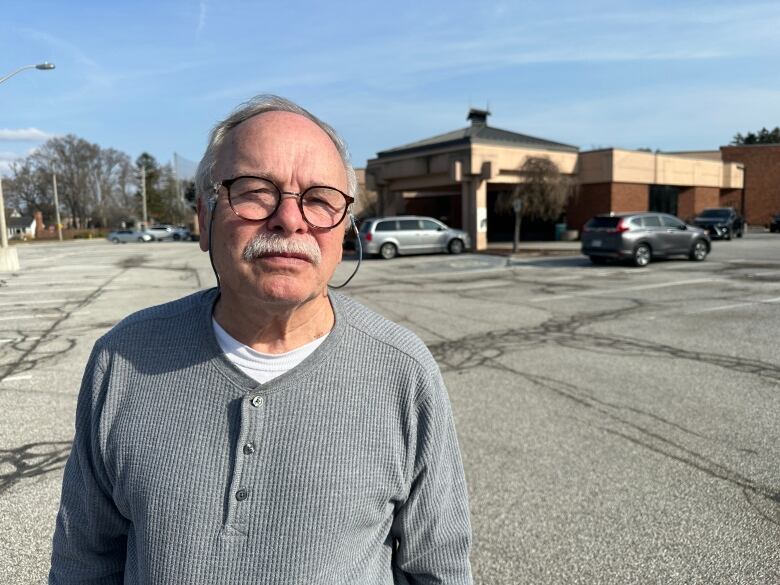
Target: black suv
721, 222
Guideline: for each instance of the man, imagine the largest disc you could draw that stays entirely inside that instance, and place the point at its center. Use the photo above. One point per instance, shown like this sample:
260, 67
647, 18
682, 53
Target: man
267, 431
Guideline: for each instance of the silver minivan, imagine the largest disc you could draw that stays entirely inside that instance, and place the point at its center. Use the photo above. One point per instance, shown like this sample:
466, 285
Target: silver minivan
410, 234
639, 237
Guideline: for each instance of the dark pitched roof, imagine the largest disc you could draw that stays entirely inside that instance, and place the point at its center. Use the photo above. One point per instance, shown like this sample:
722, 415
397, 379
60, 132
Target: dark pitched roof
19, 222
479, 134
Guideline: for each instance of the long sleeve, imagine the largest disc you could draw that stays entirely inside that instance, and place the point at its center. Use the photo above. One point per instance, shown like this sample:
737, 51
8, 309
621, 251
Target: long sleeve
432, 528
90, 539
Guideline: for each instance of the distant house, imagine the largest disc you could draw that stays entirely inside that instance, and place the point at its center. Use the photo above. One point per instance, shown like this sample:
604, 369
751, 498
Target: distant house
21, 227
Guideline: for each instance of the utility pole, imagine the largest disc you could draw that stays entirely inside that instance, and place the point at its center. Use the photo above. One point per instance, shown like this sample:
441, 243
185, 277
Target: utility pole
101, 206
143, 194
57, 206
9, 259
179, 192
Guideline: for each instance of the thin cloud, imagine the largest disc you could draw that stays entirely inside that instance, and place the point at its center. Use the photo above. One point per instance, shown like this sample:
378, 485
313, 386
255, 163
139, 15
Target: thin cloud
202, 16
23, 135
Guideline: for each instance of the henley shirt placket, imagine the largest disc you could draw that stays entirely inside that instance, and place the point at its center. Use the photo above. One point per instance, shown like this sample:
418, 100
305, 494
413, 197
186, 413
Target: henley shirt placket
246, 483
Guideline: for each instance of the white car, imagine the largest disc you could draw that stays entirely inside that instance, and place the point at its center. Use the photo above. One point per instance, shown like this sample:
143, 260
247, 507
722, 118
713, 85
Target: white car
123, 236
162, 233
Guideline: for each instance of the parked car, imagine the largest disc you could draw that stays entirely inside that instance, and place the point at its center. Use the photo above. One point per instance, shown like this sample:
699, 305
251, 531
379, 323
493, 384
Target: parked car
181, 233
640, 237
124, 236
721, 222
160, 233
774, 225
410, 234
165, 232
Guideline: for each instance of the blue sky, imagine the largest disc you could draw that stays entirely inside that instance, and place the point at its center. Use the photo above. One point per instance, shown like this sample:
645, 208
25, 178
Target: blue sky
156, 75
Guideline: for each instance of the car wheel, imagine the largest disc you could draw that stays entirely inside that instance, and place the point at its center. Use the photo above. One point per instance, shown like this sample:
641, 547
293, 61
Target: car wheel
728, 234
642, 255
740, 232
115, 240
388, 251
699, 251
141, 240
598, 260
455, 246
176, 237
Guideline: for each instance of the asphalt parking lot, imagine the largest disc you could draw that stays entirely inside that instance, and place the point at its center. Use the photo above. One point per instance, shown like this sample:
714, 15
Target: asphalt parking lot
618, 425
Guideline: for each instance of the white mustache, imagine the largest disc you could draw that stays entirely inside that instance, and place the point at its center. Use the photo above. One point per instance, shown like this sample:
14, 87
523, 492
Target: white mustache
269, 244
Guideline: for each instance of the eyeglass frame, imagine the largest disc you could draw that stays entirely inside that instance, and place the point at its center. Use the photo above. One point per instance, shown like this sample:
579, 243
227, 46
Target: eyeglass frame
226, 183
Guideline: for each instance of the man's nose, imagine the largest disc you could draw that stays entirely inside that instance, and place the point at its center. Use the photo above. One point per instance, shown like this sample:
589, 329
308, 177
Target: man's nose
288, 218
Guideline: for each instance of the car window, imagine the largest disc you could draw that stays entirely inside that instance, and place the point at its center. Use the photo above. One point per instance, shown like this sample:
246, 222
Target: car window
651, 221
365, 227
672, 222
603, 222
385, 226
716, 213
408, 224
427, 224
636, 222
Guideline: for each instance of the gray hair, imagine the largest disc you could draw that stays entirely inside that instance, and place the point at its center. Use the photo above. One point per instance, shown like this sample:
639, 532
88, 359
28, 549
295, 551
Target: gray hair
260, 104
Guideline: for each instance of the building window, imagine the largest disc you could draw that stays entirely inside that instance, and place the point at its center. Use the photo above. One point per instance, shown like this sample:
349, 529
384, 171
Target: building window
663, 199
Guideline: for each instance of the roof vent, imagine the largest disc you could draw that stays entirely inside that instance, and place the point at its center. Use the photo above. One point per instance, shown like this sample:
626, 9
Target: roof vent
478, 117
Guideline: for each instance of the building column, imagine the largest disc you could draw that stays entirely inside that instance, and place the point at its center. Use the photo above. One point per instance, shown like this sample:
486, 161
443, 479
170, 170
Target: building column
382, 195
474, 211
480, 199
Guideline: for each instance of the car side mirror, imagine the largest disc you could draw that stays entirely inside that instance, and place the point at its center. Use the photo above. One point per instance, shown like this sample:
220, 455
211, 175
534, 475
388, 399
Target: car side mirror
442, 228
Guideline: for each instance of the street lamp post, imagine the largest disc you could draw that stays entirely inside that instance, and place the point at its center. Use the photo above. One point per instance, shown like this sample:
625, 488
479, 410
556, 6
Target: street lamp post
45, 66
9, 260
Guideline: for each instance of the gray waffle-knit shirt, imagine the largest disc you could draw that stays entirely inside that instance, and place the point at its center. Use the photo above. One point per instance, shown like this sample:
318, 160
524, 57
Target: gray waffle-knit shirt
344, 470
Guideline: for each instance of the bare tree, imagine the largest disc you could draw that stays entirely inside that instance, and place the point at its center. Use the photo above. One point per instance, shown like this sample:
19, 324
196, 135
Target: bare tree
75, 162
113, 177
544, 191
28, 189
542, 194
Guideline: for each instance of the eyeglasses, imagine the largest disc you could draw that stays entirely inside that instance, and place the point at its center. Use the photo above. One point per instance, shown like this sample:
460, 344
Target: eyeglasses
256, 199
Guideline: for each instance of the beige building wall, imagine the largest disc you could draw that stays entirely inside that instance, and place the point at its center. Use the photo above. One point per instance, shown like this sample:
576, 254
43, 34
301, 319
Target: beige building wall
631, 166
608, 179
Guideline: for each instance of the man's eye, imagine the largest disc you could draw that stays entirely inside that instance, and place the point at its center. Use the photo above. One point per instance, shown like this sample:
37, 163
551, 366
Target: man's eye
262, 192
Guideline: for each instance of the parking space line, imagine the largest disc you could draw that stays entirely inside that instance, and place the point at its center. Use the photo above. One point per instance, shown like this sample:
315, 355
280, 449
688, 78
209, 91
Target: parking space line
17, 378
41, 316
640, 287
53, 288
38, 302
741, 305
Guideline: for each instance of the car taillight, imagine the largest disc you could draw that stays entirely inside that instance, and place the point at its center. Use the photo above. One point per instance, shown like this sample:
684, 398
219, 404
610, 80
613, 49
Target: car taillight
369, 237
622, 226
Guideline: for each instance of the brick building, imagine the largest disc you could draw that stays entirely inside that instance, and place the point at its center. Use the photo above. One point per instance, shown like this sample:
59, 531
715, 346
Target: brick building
760, 199
458, 176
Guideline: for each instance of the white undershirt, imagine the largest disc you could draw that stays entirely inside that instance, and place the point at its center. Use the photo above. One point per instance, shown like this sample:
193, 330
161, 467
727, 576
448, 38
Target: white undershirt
261, 367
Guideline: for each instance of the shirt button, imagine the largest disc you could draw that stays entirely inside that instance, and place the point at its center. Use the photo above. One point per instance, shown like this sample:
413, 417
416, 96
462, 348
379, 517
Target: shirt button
249, 448
257, 401
242, 494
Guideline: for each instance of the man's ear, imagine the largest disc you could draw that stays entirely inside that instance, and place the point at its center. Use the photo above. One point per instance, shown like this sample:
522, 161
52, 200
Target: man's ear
204, 214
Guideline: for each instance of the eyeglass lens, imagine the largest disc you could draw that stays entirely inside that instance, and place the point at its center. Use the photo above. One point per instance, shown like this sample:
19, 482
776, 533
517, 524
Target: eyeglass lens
254, 198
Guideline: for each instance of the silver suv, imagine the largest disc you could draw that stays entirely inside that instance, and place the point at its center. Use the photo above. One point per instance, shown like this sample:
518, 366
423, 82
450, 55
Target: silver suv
410, 234
639, 237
